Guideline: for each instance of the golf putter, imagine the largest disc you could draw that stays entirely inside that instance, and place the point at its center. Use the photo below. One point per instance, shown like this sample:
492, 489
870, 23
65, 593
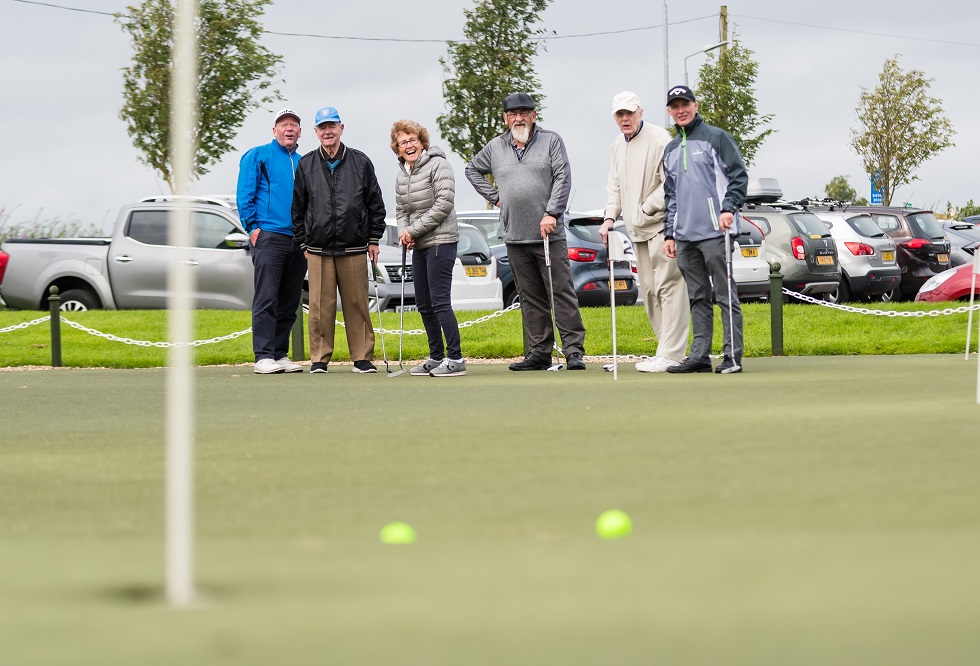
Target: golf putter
728, 265
551, 294
377, 304
401, 325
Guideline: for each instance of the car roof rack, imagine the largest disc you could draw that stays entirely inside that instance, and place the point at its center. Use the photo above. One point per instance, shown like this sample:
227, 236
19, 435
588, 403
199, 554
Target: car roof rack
223, 200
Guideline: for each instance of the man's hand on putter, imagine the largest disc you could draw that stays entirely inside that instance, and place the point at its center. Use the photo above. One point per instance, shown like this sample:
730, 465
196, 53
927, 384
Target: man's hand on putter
373, 252
548, 224
604, 228
726, 220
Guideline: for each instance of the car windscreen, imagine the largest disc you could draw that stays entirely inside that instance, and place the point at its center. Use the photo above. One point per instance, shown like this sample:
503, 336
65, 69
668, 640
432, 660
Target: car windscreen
586, 228
926, 224
866, 226
489, 226
809, 224
747, 231
472, 244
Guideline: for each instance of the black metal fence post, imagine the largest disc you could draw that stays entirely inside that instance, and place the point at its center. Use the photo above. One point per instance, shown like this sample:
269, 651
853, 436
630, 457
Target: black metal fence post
299, 345
54, 303
776, 307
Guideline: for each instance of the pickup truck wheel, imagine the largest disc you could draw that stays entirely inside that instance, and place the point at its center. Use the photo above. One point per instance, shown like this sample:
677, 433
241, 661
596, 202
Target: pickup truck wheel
78, 300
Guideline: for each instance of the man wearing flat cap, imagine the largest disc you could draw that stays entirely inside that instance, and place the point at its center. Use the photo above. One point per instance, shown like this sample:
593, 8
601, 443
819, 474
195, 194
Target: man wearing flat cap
338, 218
705, 185
635, 190
264, 196
532, 180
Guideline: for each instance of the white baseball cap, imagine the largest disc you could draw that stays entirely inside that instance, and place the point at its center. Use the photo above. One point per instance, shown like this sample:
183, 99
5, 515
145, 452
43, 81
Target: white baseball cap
286, 112
625, 101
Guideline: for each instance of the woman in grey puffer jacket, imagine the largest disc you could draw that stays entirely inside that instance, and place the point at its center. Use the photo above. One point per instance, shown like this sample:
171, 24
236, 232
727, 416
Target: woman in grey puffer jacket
425, 196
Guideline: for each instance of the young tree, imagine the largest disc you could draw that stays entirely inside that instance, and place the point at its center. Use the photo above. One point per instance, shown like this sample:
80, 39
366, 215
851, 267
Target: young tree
839, 189
725, 93
495, 61
901, 127
235, 77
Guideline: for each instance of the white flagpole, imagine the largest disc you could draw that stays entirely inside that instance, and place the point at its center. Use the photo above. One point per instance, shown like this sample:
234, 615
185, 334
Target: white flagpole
180, 377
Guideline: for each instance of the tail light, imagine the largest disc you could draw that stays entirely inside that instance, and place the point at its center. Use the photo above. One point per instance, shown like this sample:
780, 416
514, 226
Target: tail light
916, 243
860, 249
633, 266
798, 251
4, 258
589, 286
581, 254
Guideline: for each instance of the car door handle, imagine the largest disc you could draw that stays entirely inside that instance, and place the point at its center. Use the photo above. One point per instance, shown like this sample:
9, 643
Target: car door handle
122, 258
190, 262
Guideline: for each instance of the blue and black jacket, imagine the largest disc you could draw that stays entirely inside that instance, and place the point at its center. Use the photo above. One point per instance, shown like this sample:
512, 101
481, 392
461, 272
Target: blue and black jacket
265, 188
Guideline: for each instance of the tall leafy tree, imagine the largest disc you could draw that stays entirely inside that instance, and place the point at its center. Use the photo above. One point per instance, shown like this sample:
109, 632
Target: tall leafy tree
726, 98
495, 60
839, 189
901, 127
235, 76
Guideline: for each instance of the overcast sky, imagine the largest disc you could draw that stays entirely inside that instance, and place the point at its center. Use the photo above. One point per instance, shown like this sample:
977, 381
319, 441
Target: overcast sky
67, 152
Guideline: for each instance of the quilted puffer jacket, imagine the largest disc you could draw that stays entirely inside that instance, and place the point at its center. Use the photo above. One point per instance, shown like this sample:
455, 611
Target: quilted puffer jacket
425, 200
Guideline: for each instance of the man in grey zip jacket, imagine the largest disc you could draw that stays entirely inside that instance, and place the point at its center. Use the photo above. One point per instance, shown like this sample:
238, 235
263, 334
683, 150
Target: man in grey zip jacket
704, 184
532, 182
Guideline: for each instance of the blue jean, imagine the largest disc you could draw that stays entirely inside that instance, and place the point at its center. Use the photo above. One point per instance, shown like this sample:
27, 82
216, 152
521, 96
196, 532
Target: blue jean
279, 269
432, 271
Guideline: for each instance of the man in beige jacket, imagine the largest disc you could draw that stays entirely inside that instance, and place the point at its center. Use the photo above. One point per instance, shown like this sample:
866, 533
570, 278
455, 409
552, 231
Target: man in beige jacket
636, 191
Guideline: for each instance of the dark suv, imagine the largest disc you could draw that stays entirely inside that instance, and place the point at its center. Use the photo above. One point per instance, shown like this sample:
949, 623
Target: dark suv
923, 248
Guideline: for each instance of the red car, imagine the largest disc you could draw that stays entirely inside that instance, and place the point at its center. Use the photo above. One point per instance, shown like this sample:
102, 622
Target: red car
950, 285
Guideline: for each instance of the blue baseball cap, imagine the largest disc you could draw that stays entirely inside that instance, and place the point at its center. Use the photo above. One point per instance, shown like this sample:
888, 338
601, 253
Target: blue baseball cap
327, 114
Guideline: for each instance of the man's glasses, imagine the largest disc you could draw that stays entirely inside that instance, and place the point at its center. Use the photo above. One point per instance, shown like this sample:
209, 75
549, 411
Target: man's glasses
408, 142
523, 113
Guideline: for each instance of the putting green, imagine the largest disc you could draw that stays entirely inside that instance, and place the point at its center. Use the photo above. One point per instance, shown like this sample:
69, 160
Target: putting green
809, 511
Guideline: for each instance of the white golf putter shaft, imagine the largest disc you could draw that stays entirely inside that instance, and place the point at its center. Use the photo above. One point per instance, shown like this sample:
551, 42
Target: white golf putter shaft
551, 300
728, 264
612, 306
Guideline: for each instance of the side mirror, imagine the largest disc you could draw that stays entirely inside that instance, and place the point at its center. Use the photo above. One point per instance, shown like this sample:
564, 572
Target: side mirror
237, 241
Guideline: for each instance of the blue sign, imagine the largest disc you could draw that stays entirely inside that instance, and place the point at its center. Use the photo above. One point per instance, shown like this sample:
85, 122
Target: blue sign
876, 190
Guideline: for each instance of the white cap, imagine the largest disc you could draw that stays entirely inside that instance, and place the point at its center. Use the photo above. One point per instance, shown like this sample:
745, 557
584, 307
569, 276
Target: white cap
625, 101
286, 112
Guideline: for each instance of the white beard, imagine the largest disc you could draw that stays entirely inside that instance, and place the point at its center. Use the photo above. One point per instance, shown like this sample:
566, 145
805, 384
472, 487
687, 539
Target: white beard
521, 134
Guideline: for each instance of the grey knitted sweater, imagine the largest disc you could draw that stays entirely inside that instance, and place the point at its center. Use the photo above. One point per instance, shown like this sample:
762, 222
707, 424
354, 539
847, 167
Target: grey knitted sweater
526, 187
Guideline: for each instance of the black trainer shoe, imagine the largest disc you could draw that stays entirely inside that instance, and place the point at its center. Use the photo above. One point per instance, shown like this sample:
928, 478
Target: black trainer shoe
363, 367
728, 367
690, 365
575, 361
532, 362
318, 368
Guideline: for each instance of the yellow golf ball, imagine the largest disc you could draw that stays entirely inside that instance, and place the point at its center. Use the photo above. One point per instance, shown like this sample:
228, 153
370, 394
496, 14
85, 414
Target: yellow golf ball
397, 533
613, 524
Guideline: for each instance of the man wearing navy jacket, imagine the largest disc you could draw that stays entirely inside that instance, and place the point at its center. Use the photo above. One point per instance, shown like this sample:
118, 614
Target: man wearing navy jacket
265, 197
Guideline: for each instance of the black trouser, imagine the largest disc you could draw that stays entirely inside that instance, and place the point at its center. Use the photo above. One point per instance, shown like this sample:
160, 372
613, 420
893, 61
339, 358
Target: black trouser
432, 272
531, 274
279, 268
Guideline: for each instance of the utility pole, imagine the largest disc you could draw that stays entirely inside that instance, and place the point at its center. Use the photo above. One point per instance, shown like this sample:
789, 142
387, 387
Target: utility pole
723, 27
667, 82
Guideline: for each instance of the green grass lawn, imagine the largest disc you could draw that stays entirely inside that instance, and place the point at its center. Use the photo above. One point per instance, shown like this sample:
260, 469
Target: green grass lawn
813, 510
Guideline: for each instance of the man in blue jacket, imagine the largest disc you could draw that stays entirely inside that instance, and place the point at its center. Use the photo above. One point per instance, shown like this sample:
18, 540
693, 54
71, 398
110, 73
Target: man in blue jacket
265, 197
704, 185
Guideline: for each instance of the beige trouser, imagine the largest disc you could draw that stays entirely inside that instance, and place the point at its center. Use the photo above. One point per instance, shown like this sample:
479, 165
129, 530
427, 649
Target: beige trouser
664, 296
350, 274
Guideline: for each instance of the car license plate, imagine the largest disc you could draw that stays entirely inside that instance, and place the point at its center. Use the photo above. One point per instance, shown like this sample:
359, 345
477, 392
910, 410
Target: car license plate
619, 285
942, 258
750, 252
476, 271
888, 256
825, 260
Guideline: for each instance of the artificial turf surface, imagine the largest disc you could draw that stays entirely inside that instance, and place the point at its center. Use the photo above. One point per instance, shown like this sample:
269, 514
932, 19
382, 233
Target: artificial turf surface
809, 511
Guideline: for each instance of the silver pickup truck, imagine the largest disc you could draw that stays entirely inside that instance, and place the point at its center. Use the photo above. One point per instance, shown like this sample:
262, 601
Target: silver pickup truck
129, 270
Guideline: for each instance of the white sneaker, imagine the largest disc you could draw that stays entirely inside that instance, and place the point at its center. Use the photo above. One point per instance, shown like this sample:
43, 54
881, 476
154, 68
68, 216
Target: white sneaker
267, 366
655, 364
288, 366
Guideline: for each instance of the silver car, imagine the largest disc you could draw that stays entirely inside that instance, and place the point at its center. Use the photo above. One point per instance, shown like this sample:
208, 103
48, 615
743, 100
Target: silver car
867, 257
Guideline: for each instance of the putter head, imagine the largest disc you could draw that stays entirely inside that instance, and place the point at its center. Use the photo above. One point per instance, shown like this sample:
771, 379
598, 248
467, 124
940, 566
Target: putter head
396, 373
608, 367
556, 367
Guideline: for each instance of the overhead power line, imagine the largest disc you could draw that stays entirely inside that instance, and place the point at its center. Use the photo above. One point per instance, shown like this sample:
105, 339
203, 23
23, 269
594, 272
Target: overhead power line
70, 9
859, 32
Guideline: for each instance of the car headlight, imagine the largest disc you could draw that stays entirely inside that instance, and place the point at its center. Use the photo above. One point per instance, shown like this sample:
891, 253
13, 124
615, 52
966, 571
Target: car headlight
936, 280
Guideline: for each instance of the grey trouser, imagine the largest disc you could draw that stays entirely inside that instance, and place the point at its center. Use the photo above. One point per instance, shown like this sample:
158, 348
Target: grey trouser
531, 275
664, 297
703, 264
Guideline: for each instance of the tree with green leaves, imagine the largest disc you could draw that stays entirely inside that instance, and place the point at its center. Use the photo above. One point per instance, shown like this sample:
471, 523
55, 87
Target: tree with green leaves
725, 93
839, 189
495, 60
901, 127
235, 76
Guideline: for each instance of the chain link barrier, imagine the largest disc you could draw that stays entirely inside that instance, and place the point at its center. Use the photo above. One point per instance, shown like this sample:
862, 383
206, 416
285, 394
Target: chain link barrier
150, 343
880, 313
26, 324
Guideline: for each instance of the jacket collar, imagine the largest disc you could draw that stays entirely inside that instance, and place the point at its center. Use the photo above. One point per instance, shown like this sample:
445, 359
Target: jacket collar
691, 125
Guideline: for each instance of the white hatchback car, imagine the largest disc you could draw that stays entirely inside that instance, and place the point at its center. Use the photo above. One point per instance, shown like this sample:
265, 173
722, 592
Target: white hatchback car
476, 285
750, 267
